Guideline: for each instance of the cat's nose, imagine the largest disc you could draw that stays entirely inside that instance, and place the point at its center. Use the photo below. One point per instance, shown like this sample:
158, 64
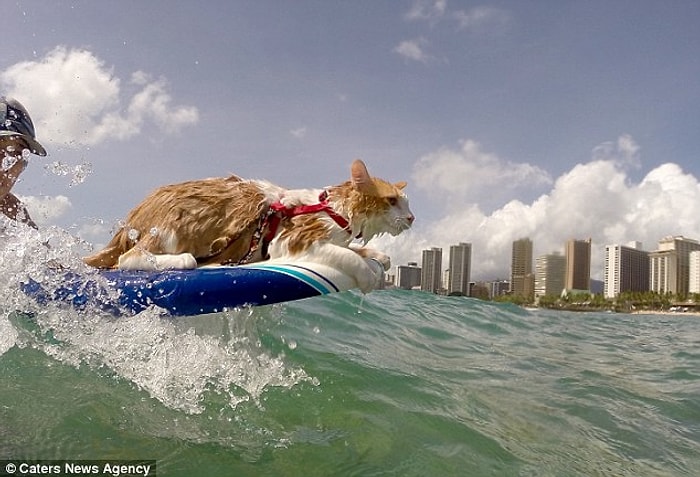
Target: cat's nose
410, 218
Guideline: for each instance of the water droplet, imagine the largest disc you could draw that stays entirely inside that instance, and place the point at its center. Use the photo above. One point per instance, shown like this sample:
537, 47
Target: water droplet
80, 173
317, 330
133, 234
8, 161
292, 344
153, 231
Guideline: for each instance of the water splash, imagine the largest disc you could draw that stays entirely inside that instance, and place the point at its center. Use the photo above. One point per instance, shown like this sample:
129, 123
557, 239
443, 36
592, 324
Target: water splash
8, 335
178, 362
178, 367
78, 173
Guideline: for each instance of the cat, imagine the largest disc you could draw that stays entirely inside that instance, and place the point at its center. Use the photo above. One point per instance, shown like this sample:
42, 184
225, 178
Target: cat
232, 221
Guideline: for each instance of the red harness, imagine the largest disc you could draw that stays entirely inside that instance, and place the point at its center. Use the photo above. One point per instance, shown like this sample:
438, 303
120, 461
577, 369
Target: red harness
278, 212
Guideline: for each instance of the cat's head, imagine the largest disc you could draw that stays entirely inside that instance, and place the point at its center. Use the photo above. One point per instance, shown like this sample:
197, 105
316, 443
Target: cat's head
379, 206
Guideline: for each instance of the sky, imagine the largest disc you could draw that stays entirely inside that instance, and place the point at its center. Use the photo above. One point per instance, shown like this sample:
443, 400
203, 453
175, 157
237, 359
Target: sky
550, 120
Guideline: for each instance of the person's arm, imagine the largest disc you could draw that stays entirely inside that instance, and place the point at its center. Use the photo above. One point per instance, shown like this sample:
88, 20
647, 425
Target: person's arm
13, 208
9, 177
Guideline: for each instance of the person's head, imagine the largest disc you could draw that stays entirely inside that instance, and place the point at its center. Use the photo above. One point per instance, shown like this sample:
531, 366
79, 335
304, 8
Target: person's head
16, 129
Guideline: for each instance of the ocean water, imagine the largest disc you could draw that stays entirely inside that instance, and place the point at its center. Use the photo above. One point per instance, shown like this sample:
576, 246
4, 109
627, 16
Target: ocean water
393, 383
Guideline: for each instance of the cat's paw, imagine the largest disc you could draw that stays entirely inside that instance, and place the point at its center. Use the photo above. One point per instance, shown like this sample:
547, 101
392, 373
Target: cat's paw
181, 261
141, 260
381, 257
373, 278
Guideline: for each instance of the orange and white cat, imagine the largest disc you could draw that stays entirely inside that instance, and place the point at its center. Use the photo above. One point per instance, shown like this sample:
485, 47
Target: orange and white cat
232, 221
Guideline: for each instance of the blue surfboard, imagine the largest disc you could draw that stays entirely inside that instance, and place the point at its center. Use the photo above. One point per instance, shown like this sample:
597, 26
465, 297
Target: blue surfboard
195, 292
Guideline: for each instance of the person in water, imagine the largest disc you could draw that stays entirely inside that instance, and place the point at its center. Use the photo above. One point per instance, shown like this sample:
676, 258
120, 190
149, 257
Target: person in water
17, 141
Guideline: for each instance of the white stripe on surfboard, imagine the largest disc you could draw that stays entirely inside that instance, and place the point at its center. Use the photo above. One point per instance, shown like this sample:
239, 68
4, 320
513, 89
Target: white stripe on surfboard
306, 275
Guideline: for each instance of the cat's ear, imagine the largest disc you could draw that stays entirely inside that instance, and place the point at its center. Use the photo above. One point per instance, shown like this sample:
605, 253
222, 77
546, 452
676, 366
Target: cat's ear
400, 185
360, 177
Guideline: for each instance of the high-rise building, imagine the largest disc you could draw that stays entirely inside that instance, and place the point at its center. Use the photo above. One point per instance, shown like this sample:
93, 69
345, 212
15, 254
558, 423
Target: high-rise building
626, 269
694, 272
669, 265
431, 270
408, 276
498, 288
663, 271
460, 269
578, 265
522, 280
550, 271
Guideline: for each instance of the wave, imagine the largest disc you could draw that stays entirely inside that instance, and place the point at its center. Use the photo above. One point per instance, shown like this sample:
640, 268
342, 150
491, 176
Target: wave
394, 382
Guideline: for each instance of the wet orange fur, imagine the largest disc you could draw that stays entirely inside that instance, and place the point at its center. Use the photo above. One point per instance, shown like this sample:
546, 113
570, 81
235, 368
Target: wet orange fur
215, 221
302, 231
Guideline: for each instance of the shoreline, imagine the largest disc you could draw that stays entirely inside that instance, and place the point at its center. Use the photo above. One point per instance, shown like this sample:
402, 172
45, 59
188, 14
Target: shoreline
631, 312
662, 312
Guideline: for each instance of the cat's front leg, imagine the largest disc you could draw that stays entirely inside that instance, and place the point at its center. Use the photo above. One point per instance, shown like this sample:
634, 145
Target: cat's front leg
369, 277
370, 253
366, 275
138, 259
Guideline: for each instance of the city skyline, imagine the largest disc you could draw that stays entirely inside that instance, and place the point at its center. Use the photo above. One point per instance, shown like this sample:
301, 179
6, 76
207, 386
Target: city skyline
627, 267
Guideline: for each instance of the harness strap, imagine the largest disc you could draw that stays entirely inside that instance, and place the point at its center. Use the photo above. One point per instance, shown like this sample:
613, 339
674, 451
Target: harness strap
278, 212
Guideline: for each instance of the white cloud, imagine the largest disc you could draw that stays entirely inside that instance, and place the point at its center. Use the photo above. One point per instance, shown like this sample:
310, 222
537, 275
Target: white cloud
469, 173
427, 10
624, 150
413, 50
44, 210
595, 200
477, 19
299, 133
74, 98
482, 18
154, 102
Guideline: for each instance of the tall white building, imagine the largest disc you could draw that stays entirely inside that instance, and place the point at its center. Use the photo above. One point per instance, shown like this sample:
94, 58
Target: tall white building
460, 269
626, 269
431, 270
550, 271
669, 265
694, 271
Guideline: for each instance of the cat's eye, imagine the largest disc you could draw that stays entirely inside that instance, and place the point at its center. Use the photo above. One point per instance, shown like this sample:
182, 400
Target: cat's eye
393, 201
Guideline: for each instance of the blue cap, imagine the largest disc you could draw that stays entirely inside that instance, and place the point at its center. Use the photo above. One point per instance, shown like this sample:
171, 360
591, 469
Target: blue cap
15, 121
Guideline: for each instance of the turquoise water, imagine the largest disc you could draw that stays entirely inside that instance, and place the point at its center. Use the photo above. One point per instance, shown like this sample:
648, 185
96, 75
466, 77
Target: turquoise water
394, 383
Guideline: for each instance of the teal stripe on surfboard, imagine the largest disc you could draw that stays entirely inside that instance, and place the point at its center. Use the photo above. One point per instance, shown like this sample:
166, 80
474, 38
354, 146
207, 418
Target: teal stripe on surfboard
314, 279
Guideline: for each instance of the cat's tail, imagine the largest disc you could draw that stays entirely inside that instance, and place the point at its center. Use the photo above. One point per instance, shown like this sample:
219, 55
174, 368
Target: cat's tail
108, 257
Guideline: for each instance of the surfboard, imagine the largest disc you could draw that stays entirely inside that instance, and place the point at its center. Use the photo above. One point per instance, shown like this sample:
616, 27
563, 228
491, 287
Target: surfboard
195, 292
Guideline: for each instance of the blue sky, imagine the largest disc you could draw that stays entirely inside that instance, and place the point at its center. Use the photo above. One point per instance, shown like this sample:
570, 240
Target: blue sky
547, 119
